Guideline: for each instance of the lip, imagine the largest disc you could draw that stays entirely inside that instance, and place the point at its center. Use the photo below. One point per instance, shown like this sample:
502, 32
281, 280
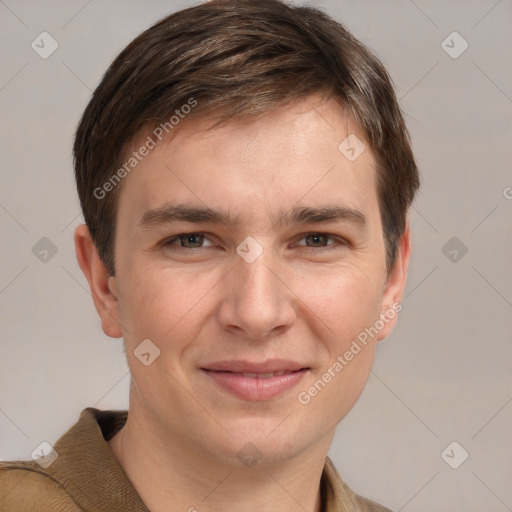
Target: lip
243, 366
251, 381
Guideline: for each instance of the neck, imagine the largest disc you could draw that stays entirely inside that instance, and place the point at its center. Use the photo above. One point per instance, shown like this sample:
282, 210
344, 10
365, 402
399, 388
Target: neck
170, 475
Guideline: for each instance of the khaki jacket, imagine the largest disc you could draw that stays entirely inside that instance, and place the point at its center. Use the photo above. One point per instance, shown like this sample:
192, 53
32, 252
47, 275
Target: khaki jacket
86, 477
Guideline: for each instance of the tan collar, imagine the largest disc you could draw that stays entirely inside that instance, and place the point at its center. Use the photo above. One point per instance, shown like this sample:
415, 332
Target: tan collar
88, 470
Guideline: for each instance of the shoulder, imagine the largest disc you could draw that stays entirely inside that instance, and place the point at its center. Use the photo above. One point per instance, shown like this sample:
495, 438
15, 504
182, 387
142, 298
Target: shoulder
25, 487
366, 505
339, 496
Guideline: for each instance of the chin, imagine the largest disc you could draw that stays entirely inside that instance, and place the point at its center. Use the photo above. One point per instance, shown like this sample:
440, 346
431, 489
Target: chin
266, 441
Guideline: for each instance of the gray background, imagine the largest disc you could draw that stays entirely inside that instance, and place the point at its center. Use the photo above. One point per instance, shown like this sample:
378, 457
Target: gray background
446, 372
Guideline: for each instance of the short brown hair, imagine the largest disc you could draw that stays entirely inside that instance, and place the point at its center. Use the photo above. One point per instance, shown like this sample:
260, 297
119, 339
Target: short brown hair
240, 58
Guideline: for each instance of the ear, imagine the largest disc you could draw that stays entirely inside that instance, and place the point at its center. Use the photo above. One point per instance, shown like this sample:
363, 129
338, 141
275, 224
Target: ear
395, 285
103, 288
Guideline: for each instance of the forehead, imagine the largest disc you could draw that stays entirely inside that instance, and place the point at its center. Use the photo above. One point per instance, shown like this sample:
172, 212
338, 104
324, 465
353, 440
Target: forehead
253, 167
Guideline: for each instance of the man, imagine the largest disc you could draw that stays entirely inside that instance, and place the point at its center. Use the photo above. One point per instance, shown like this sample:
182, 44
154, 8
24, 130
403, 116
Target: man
245, 174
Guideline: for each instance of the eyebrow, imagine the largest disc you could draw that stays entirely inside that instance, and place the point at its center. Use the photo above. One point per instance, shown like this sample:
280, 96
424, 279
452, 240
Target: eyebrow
169, 213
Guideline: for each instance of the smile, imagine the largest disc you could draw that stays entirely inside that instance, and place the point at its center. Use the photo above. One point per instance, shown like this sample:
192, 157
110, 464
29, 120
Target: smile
256, 381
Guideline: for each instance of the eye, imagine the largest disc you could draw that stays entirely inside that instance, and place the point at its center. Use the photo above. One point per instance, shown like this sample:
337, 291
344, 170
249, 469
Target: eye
320, 240
188, 241
195, 240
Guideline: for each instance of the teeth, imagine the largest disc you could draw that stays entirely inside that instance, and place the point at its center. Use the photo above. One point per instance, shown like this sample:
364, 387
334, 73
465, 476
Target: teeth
250, 375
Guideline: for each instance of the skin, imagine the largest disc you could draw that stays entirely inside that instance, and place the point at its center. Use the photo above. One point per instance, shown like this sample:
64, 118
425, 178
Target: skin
304, 300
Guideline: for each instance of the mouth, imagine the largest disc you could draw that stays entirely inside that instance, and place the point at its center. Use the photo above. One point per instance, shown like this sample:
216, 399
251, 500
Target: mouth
250, 375
256, 381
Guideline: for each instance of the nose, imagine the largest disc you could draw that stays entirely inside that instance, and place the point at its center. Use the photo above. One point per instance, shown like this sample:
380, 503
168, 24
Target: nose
256, 303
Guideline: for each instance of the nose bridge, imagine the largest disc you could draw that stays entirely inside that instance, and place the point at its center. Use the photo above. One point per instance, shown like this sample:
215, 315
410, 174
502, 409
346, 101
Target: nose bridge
256, 302
258, 282
255, 259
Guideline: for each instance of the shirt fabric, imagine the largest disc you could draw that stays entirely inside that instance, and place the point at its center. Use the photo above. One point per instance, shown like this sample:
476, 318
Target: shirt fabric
86, 476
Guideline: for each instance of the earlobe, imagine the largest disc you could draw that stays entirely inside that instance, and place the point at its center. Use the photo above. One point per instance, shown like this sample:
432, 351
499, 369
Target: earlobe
395, 285
103, 287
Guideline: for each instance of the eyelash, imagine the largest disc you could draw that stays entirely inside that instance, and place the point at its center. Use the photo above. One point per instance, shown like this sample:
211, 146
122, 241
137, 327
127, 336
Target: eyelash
330, 247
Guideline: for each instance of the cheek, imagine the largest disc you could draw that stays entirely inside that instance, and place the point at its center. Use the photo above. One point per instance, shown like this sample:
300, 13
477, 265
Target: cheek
347, 306
347, 302
165, 304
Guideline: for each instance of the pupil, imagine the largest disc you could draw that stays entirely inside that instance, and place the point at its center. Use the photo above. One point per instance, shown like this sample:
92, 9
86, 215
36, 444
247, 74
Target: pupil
317, 238
190, 239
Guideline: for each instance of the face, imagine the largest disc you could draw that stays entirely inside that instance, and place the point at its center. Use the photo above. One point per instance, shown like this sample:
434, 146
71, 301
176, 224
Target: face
256, 302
